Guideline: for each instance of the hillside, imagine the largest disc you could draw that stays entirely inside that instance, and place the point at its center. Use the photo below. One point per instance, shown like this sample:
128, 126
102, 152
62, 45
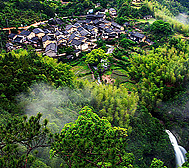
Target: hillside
94, 84
184, 3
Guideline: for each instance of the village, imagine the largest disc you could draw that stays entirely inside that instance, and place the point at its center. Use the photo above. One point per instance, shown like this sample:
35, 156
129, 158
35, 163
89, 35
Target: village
82, 34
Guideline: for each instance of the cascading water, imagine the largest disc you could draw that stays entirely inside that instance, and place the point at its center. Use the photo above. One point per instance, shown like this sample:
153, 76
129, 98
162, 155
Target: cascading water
179, 150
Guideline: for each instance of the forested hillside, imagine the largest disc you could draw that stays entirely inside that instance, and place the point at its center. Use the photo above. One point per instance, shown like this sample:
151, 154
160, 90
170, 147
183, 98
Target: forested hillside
184, 3
117, 79
17, 13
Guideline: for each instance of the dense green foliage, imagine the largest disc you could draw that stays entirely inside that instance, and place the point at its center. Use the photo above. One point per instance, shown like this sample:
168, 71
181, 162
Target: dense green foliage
114, 103
15, 13
19, 137
173, 6
20, 70
174, 114
157, 164
95, 56
146, 82
92, 142
127, 10
159, 73
184, 3
186, 164
148, 140
162, 12
160, 28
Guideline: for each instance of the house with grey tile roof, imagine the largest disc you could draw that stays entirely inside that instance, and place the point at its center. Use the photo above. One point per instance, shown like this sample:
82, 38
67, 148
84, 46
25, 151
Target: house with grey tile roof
51, 50
136, 36
39, 32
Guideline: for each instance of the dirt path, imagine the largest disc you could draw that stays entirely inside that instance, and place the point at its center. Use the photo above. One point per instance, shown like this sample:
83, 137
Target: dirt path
26, 27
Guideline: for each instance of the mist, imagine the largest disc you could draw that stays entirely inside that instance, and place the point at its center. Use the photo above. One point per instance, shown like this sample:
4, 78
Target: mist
182, 18
59, 106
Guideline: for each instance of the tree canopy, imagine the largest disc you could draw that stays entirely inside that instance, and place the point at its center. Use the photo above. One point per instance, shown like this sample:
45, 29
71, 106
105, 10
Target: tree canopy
160, 27
91, 141
19, 137
19, 70
159, 73
95, 56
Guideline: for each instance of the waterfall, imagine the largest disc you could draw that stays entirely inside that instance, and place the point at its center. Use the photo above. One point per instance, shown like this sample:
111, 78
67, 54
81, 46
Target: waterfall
179, 150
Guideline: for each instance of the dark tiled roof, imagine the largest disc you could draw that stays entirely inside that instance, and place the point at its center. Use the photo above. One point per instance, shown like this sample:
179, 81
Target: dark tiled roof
147, 16
84, 32
35, 39
51, 53
93, 17
105, 21
58, 33
99, 16
93, 32
60, 39
72, 37
85, 26
102, 26
90, 16
38, 30
117, 30
96, 21
51, 36
45, 38
9, 44
139, 35
68, 27
77, 25
70, 56
112, 9
65, 32
51, 47
76, 42
116, 25
113, 35
11, 36
81, 21
18, 39
76, 51
46, 31
80, 29
88, 21
148, 40
126, 24
90, 27
25, 33
107, 30
59, 21
81, 38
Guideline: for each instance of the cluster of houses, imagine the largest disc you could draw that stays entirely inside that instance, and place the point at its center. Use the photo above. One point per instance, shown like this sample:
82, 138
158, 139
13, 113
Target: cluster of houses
81, 35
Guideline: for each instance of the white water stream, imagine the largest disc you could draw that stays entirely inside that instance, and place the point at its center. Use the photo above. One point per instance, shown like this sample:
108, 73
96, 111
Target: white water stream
179, 150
